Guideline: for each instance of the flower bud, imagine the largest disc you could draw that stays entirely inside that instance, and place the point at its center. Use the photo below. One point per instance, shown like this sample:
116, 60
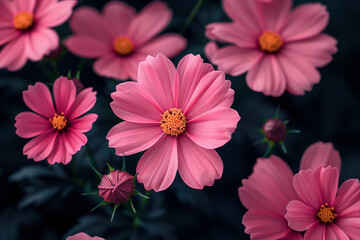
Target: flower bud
274, 130
79, 86
116, 187
83, 236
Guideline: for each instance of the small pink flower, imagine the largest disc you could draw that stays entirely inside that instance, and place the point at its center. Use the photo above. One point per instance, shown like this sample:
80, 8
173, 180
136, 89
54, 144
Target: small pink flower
83, 236
280, 48
58, 133
179, 115
269, 189
116, 187
120, 38
323, 210
25, 28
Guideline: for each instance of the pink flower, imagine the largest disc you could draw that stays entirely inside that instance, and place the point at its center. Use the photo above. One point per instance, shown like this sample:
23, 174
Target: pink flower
116, 187
323, 210
83, 236
269, 189
120, 38
25, 29
58, 133
179, 115
280, 48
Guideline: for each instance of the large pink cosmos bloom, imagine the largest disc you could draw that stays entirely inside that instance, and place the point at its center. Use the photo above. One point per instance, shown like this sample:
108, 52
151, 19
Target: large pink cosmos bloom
280, 48
323, 210
57, 132
83, 236
120, 38
269, 189
25, 28
180, 115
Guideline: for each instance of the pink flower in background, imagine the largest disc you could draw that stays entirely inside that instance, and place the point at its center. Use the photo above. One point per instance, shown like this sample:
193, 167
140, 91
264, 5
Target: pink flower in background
269, 189
120, 38
83, 236
25, 29
116, 187
280, 48
323, 210
179, 115
58, 133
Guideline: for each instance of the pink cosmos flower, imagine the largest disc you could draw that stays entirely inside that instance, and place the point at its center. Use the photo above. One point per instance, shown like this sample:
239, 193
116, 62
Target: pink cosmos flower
280, 48
269, 189
83, 236
58, 133
25, 29
116, 187
120, 38
179, 115
323, 210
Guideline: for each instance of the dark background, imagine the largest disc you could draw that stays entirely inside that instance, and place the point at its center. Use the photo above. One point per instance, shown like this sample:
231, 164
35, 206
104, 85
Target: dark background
39, 201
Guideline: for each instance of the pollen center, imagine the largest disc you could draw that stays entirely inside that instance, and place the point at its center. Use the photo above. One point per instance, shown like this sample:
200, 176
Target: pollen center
173, 122
58, 121
326, 214
23, 20
270, 42
123, 46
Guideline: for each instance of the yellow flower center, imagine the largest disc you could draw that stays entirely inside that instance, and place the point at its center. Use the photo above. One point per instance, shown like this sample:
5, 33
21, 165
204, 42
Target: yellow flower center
23, 20
326, 214
123, 46
173, 122
58, 121
270, 42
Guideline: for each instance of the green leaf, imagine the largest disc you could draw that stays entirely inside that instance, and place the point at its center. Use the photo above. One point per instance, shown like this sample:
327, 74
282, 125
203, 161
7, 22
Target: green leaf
96, 171
283, 146
78, 75
110, 168
90, 193
113, 213
136, 192
69, 74
103, 203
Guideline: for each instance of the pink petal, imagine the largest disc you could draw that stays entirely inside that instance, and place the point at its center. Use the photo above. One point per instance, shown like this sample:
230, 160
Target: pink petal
7, 12
244, 13
83, 102
55, 14
64, 94
38, 99
333, 232
157, 167
265, 225
133, 103
87, 46
198, 167
119, 15
350, 224
317, 231
73, 140
267, 77
111, 66
59, 153
348, 197
210, 49
234, 60
300, 216
320, 154
131, 64
274, 14
293, 236
25, 5
40, 42
40, 147
157, 75
269, 187
83, 236
42, 5
29, 124
213, 128
83, 124
300, 74
130, 138
169, 44
7, 34
13, 54
191, 69
149, 22
305, 21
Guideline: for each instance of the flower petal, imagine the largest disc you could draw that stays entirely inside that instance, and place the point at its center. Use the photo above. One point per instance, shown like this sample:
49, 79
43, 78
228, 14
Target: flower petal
300, 216
64, 94
119, 15
274, 14
112, 66
210, 49
73, 141
129, 138
40, 147
333, 232
38, 99
83, 102
350, 224
59, 153
149, 22
7, 12
198, 167
7, 34
317, 231
131, 64
29, 124
83, 124
87, 46
169, 44
157, 167
56, 14
83, 236
40, 42
348, 197
320, 154
25, 5
13, 54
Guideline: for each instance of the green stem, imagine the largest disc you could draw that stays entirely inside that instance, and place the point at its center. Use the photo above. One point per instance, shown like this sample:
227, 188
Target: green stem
191, 17
91, 156
137, 220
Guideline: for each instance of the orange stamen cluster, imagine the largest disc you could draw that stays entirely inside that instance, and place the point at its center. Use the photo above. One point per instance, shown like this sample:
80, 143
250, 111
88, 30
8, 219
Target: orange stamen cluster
23, 20
326, 214
58, 121
173, 122
123, 46
270, 42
